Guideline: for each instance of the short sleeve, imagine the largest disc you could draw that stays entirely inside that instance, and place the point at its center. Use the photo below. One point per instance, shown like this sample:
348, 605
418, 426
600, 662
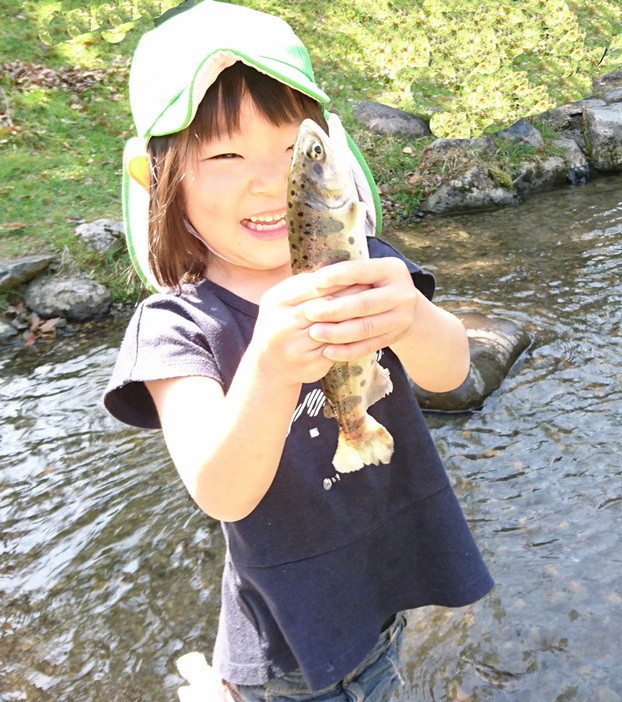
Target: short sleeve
162, 341
423, 280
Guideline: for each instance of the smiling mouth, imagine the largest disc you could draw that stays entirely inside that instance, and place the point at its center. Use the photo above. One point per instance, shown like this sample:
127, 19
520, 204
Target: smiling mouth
265, 223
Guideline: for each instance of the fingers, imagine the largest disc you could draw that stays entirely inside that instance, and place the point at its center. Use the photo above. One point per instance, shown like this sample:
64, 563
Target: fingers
367, 271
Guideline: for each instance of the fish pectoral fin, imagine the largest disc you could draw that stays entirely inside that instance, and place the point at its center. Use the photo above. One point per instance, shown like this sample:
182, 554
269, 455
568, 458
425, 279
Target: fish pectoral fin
375, 447
380, 385
356, 219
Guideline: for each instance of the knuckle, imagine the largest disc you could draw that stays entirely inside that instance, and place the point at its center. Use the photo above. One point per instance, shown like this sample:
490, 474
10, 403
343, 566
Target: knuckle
368, 327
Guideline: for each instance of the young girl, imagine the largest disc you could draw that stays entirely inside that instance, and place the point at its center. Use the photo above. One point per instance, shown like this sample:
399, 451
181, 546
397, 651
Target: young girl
228, 357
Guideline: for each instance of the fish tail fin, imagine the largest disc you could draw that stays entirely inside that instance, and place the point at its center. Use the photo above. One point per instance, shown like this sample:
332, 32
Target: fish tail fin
375, 447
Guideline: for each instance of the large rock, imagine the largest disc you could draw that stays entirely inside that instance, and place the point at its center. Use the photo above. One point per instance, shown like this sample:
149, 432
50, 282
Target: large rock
544, 174
521, 132
17, 271
384, 120
77, 299
603, 128
102, 234
475, 190
495, 344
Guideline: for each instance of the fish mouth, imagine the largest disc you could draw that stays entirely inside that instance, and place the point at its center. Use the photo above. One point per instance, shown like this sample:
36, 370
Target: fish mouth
268, 221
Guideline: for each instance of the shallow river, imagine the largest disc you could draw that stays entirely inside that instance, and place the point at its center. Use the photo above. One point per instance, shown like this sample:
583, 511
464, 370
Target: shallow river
108, 572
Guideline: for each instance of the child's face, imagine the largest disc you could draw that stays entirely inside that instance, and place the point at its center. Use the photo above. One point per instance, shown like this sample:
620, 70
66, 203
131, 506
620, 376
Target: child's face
236, 194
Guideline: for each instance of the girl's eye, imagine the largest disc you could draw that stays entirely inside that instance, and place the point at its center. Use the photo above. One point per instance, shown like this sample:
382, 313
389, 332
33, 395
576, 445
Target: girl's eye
224, 156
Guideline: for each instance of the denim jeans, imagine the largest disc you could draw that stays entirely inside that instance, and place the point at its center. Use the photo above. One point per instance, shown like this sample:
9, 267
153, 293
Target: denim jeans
374, 680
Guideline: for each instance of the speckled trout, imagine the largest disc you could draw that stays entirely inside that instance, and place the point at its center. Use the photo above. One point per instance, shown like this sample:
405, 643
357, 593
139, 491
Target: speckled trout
326, 224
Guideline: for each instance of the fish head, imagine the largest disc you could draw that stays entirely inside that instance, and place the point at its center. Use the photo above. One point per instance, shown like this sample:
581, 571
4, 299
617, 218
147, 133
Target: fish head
321, 172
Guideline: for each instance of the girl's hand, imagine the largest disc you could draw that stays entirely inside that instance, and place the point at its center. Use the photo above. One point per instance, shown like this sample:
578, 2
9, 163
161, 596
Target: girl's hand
374, 307
281, 341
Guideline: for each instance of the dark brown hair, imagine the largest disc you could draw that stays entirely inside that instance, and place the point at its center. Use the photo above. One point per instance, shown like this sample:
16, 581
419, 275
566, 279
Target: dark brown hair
175, 254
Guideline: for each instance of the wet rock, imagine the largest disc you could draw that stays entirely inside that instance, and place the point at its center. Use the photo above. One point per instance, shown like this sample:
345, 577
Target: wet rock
475, 190
543, 174
495, 344
17, 271
76, 299
7, 331
522, 132
485, 143
385, 120
102, 234
578, 169
603, 128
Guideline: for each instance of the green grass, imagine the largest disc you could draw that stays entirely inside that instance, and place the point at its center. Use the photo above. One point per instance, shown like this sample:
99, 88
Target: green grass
61, 150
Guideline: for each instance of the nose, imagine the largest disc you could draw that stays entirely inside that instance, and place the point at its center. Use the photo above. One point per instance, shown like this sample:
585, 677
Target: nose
270, 176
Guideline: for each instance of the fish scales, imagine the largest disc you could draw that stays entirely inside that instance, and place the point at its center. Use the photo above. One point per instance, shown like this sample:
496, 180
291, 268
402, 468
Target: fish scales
326, 224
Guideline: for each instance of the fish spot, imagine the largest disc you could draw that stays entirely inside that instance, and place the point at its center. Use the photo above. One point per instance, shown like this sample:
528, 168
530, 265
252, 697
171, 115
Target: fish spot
339, 255
301, 214
293, 192
293, 182
347, 404
317, 168
350, 240
333, 227
291, 221
363, 382
289, 204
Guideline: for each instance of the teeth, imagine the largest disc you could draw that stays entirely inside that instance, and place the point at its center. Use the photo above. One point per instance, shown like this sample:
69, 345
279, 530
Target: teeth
267, 218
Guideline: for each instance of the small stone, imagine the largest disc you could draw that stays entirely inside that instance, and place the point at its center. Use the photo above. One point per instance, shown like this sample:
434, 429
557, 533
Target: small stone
485, 143
383, 119
522, 132
7, 331
102, 234
613, 95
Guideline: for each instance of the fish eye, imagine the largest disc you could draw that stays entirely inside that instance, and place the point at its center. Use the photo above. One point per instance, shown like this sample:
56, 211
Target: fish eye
315, 151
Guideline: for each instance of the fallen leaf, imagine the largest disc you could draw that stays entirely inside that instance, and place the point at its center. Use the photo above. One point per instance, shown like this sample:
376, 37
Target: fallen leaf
30, 341
407, 150
415, 178
49, 325
35, 321
17, 225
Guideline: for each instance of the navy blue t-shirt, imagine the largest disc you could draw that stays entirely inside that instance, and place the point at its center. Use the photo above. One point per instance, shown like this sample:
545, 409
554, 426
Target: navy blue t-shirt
311, 573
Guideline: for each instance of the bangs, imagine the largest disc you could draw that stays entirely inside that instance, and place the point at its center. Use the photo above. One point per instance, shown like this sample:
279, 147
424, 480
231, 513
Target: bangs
219, 111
